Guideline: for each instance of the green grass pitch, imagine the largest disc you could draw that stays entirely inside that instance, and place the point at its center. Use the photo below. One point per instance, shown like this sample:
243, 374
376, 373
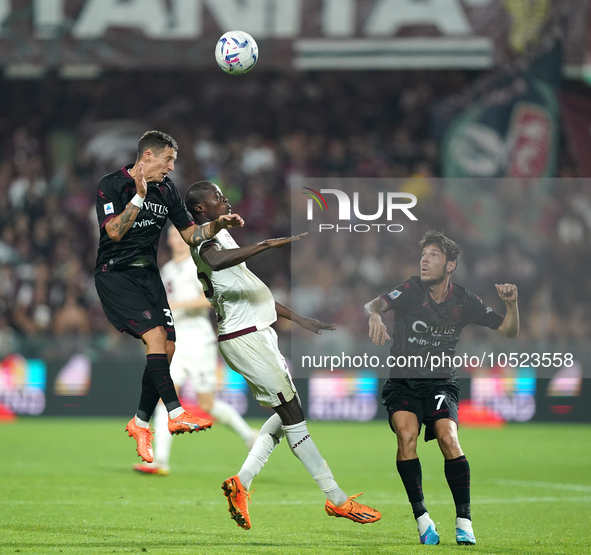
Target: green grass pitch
66, 486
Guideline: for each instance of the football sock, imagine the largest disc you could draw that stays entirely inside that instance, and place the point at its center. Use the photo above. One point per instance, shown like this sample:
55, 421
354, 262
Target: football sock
303, 448
457, 472
174, 413
423, 522
269, 437
412, 478
159, 371
148, 399
162, 437
226, 414
141, 423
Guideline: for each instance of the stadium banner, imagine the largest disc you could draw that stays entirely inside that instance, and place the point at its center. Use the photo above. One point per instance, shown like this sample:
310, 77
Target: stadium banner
362, 244
80, 37
506, 124
576, 115
97, 384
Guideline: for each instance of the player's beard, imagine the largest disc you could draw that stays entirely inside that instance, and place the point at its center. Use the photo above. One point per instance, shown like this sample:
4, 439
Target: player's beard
432, 282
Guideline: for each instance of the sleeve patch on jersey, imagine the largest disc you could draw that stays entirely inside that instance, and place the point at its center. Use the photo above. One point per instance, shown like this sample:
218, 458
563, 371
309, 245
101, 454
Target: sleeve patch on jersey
109, 209
394, 294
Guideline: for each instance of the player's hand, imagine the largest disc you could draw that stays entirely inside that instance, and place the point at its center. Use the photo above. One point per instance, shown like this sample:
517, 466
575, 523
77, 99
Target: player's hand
280, 241
377, 329
316, 326
507, 292
141, 186
228, 221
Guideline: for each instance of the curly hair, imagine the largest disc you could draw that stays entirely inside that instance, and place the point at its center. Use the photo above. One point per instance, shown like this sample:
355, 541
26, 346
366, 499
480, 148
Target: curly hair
448, 247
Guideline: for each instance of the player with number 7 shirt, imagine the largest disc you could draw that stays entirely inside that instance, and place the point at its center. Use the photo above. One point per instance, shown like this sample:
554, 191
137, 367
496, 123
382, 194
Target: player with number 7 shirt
429, 314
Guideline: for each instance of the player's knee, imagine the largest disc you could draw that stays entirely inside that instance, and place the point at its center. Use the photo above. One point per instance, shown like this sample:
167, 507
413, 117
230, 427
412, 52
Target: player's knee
291, 413
407, 438
156, 340
449, 442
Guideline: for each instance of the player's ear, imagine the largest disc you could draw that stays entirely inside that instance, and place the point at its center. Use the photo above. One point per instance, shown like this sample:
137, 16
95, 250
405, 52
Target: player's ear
198, 208
451, 266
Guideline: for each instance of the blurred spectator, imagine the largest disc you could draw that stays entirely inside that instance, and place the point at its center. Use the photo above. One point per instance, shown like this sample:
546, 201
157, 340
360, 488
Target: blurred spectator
259, 141
72, 318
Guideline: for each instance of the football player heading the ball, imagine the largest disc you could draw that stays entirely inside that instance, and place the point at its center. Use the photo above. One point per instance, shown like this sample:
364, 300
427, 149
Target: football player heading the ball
245, 310
132, 206
429, 315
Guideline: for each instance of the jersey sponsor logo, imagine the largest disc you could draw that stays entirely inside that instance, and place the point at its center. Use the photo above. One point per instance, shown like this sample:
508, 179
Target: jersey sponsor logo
109, 208
143, 223
159, 210
394, 294
420, 341
421, 327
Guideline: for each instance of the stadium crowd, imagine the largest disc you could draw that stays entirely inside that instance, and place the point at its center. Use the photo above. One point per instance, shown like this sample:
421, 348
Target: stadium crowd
258, 138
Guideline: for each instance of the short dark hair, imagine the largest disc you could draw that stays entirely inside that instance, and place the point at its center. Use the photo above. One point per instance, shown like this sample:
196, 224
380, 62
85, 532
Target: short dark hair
448, 247
196, 194
157, 141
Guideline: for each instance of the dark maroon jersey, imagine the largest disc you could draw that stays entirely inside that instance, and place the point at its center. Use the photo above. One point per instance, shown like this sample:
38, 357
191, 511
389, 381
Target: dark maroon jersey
425, 328
163, 201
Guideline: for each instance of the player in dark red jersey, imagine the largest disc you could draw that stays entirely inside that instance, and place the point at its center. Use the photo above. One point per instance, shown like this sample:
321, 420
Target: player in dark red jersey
430, 313
132, 206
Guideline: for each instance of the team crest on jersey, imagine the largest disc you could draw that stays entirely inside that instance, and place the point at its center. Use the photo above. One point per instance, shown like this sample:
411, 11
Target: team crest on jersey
147, 314
109, 209
455, 312
394, 294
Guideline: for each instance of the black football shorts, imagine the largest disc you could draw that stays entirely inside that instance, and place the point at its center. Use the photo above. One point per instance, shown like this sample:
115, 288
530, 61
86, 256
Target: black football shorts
430, 400
134, 301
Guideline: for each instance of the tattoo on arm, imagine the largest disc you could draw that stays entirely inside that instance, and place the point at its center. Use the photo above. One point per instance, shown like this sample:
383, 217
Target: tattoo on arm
202, 233
378, 305
382, 305
126, 218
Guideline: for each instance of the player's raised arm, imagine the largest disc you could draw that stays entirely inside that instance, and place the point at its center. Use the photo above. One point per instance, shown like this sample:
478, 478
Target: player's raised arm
218, 259
196, 234
508, 294
118, 226
377, 329
311, 324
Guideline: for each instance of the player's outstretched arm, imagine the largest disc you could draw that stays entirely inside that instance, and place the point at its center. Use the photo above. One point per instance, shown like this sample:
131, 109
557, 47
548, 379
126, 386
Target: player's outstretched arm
218, 259
510, 325
311, 324
377, 329
118, 226
195, 235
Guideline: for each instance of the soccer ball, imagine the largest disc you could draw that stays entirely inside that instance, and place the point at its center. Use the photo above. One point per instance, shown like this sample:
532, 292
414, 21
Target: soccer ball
236, 52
